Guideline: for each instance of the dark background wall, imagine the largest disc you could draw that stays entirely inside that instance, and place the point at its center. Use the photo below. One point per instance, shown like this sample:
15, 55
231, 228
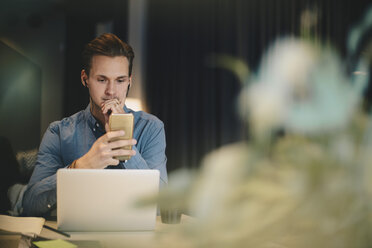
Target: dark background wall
196, 101
20, 93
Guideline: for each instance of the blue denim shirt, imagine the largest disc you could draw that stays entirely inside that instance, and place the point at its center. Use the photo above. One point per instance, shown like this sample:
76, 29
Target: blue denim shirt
71, 138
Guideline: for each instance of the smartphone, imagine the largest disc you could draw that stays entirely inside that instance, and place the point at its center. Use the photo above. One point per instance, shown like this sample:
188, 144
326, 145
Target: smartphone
122, 122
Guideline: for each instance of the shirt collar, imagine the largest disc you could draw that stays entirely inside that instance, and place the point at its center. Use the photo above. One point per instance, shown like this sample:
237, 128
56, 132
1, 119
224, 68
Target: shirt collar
127, 110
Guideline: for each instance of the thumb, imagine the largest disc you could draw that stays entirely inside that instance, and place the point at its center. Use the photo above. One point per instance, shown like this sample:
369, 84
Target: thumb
107, 126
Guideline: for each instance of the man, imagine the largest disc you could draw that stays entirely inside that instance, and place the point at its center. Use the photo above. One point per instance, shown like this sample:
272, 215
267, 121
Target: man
82, 141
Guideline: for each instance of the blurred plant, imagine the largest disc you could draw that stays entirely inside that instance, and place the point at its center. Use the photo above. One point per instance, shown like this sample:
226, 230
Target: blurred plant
300, 88
311, 186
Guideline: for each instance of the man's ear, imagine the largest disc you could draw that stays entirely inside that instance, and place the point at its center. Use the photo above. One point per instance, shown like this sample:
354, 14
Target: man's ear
129, 85
130, 82
84, 78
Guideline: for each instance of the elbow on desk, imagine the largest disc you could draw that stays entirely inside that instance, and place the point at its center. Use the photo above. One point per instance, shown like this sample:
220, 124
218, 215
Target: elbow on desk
27, 203
37, 205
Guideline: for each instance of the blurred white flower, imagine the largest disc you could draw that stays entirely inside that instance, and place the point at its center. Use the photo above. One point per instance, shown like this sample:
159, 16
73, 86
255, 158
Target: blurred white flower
287, 63
265, 104
301, 88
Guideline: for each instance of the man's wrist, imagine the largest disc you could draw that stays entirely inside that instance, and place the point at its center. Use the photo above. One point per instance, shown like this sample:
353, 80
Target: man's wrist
76, 164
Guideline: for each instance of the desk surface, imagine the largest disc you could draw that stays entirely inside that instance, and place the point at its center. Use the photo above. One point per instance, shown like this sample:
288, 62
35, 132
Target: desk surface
117, 239
146, 239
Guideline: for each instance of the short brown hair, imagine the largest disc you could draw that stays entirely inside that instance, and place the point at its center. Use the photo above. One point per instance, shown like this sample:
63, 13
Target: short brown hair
107, 45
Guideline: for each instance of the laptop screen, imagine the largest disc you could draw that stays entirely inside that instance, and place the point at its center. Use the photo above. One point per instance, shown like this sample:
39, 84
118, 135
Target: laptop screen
106, 200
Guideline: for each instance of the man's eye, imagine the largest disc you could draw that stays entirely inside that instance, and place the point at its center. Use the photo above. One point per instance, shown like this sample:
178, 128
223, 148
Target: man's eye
101, 80
121, 81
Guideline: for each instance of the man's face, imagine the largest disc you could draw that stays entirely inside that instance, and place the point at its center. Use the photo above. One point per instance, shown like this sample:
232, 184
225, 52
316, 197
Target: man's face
108, 79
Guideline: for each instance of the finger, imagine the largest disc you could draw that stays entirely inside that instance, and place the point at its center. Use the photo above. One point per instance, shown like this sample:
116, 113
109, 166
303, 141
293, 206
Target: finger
121, 143
113, 162
109, 102
119, 107
112, 134
115, 109
122, 152
121, 104
107, 105
106, 108
107, 126
106, 158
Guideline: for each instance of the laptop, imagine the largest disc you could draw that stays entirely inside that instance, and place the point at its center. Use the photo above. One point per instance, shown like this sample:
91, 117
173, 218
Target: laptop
105, 200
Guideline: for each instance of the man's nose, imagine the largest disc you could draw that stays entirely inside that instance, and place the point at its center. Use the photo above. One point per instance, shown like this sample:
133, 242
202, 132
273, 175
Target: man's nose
110, 89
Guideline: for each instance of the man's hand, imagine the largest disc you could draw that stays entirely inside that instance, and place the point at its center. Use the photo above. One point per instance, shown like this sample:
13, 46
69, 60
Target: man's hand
102, 153
112, 106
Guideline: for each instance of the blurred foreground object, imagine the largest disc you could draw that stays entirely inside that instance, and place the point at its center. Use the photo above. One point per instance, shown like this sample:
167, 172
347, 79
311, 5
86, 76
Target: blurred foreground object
309, 187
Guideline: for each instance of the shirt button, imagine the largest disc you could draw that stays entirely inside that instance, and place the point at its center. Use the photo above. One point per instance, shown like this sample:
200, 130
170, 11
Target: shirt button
94, 129
49, 206
97, 124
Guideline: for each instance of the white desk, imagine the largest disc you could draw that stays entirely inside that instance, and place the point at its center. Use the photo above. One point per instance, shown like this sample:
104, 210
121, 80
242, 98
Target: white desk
117, 239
